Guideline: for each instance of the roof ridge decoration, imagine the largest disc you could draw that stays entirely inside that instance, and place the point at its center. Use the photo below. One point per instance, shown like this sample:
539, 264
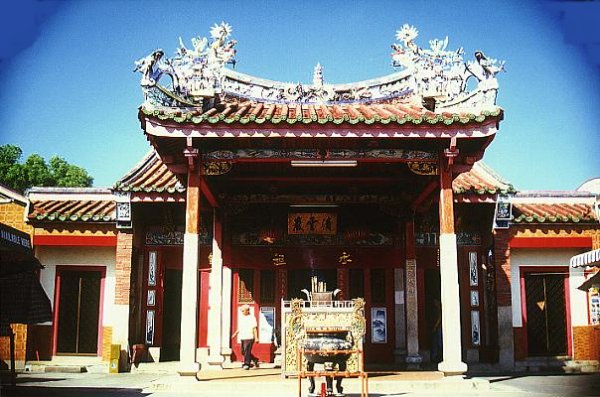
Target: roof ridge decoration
442, 74
199, 77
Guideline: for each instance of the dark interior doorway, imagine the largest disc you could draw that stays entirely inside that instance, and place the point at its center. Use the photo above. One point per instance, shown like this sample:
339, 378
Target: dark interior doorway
78, 312
171, 340
546, 314
433, 310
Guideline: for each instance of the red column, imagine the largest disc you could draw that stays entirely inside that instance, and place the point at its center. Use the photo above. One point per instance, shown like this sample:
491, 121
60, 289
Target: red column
189, 288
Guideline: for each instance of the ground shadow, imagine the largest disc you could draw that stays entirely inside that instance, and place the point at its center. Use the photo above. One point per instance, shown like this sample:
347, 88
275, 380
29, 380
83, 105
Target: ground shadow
35, 391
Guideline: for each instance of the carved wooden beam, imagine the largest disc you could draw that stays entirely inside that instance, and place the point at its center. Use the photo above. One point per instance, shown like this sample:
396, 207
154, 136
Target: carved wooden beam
422, 197
208, 194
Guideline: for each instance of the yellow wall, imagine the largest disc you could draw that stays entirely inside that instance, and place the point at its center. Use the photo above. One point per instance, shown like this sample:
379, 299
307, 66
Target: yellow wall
12, 214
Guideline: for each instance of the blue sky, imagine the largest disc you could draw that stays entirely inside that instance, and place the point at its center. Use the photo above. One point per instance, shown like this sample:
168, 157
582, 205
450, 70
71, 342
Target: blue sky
67, 86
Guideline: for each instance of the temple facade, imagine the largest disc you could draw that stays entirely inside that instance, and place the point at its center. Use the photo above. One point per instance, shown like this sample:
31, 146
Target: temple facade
254, 190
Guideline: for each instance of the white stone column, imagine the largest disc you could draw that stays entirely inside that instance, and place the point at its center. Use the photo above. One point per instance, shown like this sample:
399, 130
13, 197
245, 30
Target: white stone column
215, 359
226, 316
451, 327
189, 287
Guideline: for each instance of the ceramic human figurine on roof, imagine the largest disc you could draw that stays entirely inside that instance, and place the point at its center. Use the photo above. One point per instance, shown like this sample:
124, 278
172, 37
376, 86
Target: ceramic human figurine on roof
199, 77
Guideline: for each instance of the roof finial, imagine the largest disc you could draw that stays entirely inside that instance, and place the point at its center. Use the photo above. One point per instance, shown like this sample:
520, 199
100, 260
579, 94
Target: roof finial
318, 75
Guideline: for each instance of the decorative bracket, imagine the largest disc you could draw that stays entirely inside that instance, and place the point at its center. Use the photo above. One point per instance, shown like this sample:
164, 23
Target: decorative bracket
451, 153
191, 153
421, 168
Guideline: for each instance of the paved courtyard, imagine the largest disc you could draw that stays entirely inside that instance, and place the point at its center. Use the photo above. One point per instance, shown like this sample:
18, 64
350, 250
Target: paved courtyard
265, 383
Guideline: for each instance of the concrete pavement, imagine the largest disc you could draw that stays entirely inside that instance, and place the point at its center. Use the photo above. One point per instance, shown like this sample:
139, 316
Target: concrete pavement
267, 382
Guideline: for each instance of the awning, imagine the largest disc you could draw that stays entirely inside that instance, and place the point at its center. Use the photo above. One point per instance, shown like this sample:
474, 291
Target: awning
590, 258
591, 282
22, 297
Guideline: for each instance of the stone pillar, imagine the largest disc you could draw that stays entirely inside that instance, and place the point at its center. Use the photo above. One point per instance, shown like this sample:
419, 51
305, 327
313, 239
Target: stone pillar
226, 316
399, 314
215, 302
412, 308
451, 326
189, 287
120, 321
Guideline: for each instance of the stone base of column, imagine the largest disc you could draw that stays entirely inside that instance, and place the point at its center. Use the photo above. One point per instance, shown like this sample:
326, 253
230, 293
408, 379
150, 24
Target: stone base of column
188, 369
399, 355
452, 368
214, 362
278, 359
414, 362
226, 354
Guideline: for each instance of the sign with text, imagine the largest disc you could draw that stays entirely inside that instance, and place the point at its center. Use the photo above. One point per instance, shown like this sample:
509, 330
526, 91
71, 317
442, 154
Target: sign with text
312, 223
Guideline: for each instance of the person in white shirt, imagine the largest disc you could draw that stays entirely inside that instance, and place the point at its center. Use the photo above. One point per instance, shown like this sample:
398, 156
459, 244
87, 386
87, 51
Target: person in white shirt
247, 329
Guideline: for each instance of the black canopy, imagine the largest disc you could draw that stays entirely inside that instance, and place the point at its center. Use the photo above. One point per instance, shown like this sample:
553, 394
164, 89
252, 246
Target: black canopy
22, 298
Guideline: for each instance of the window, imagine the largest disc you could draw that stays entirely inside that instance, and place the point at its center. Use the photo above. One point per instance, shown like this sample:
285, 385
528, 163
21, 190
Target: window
357, 283
378, 286
267, 286
246, 285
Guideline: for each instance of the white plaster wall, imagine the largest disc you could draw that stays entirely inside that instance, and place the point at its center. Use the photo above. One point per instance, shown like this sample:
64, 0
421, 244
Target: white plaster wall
520, 257
51, 257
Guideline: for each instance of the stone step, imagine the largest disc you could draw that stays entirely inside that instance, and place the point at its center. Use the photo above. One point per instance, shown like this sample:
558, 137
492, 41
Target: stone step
68, 369
557, 365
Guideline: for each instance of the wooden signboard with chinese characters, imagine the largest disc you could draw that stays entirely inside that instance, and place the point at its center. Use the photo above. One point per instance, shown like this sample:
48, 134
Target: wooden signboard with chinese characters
312, 223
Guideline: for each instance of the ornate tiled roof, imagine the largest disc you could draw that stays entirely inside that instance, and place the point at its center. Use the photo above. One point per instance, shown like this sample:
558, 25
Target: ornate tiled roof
554, 207
198, 76
150, 175
202, 90
71, 205
554, 213
481, 180
251, 112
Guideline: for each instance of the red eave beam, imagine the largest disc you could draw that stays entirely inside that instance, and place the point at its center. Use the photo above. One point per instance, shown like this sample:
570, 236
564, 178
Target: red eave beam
551, 242
79, 241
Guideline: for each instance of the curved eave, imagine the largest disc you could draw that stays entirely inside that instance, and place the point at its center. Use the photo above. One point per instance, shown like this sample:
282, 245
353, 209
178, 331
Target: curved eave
171, 128
63, 218
340, 116
554, 220
154, 197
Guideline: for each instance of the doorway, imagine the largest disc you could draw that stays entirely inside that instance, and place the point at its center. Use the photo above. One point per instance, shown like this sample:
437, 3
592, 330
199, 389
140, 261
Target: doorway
171, 340
546, 314
78, 309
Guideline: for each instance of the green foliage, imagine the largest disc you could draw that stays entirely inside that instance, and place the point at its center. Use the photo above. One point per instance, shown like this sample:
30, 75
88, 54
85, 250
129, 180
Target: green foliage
36, 172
